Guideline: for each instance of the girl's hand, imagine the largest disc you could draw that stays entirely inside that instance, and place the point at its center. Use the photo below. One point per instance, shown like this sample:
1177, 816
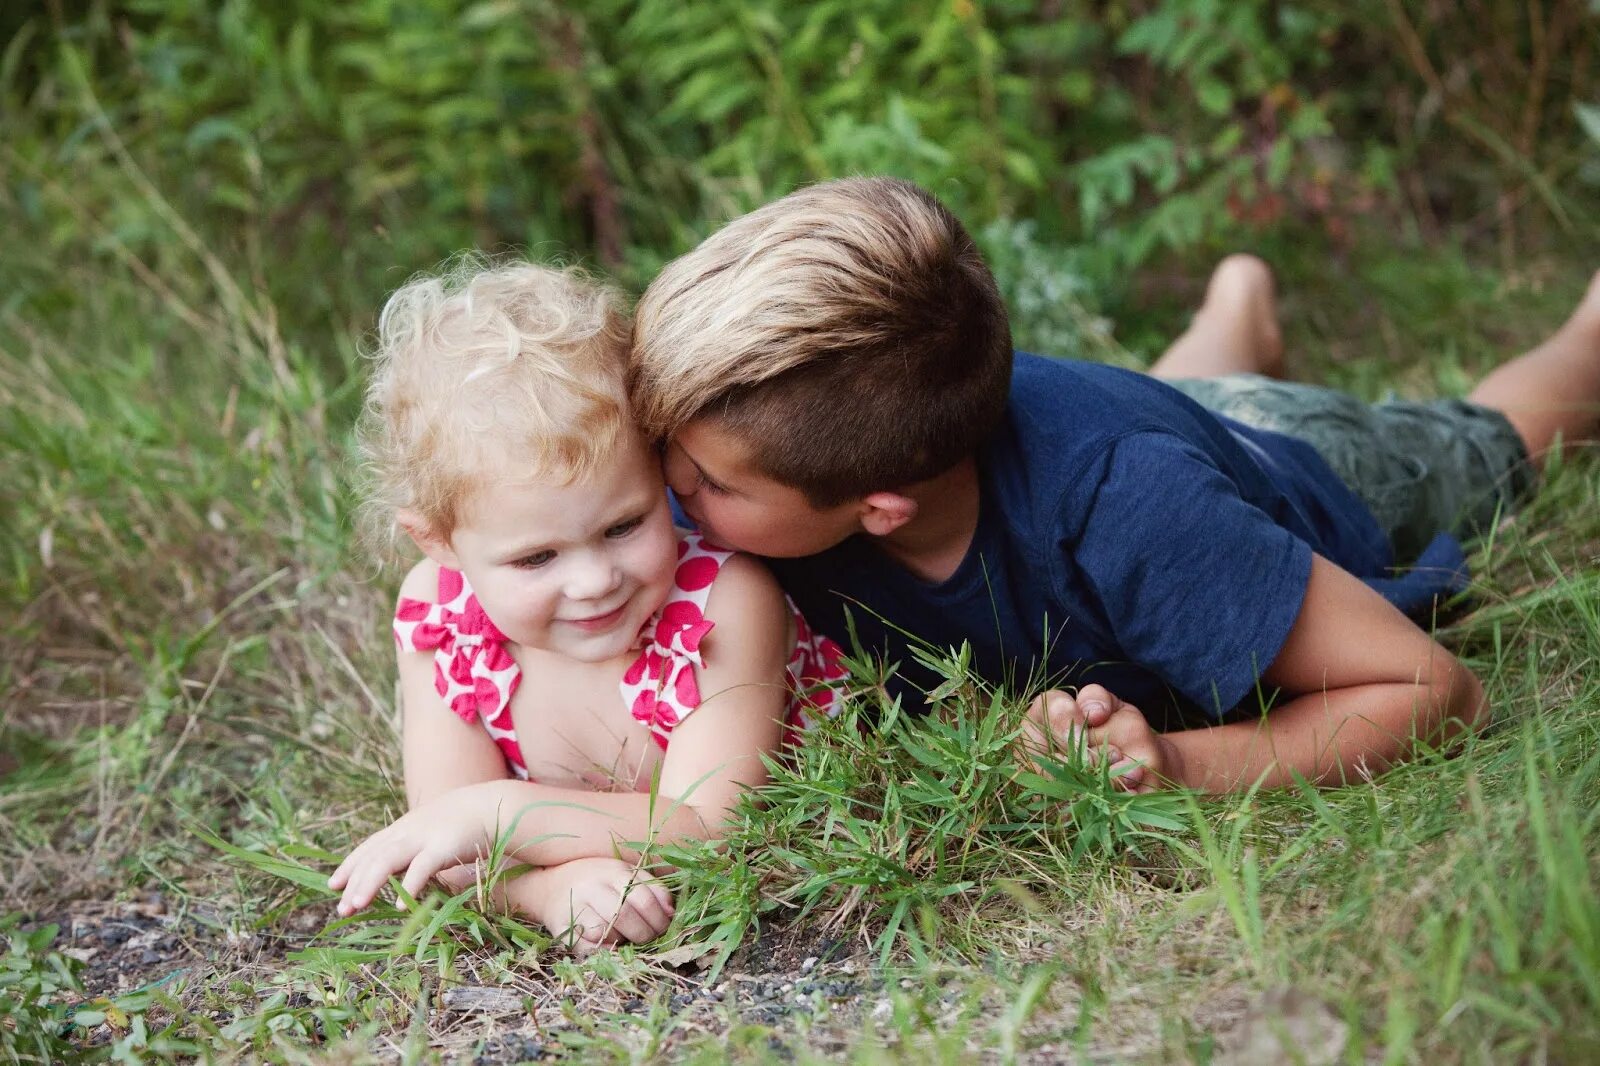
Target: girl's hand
444, 832
588, 903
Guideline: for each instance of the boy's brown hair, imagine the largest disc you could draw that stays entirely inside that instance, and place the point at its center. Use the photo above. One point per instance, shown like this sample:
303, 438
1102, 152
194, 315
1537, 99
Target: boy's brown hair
849, 334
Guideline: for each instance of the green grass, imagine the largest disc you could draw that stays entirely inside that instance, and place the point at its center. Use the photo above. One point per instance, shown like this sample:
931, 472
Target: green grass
198, 699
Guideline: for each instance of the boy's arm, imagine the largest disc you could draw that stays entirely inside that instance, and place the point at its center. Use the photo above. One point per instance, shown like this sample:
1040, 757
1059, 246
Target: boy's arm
1370, 685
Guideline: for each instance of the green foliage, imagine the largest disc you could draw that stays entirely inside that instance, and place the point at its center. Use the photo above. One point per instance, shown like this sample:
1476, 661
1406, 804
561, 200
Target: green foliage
886, 816
205, 203
617, 130
34, 983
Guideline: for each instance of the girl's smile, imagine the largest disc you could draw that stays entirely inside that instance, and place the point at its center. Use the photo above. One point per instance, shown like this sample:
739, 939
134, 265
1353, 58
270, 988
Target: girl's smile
600, 622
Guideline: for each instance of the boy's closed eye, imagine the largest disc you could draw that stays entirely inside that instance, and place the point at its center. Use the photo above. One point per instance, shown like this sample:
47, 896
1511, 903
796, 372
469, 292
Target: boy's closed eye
701, 481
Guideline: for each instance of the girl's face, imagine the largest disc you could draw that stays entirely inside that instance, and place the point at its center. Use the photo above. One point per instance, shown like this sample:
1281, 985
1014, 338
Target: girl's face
574, 569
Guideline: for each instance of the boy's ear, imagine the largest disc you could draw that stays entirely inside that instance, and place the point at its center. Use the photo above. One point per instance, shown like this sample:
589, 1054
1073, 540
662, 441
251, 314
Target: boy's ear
425, 537
884, 512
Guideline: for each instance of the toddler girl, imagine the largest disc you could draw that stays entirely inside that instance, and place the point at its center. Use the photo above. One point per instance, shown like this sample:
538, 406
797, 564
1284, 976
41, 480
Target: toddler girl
574, 672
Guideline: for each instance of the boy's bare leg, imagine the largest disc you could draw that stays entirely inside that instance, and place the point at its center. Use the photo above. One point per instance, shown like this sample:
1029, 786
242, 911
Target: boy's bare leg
1553, 390
1236, 329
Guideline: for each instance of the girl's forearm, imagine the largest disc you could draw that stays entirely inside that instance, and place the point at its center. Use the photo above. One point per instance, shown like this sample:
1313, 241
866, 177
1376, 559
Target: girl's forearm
549, 826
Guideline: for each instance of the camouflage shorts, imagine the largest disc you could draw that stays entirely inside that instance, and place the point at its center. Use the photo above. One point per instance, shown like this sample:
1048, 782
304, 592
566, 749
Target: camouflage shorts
1421, 468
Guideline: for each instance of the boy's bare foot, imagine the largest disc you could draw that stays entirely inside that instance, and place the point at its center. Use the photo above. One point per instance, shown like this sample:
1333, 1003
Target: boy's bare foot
1236, 329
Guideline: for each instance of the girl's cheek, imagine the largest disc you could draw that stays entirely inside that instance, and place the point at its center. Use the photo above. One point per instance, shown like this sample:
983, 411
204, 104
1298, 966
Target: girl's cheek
660, 558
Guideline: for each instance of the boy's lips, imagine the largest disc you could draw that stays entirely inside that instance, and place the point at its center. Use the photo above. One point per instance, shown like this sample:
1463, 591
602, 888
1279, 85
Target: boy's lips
699, 522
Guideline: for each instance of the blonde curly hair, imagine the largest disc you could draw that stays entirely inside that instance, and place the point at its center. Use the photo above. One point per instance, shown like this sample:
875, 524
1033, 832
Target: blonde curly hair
483, 370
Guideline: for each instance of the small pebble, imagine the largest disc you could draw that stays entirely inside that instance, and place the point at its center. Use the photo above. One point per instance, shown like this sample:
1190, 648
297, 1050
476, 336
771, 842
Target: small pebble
809, 965
882, 1010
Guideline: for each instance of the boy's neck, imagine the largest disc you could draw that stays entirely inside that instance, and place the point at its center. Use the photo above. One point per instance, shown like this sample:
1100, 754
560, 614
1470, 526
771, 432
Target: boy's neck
933, 543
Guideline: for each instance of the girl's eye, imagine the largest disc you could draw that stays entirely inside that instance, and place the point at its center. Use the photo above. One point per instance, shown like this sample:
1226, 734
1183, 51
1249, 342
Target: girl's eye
535, 561
622, 529
709, 485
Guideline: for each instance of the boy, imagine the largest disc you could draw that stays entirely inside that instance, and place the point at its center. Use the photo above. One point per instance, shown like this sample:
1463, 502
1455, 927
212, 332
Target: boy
834, 376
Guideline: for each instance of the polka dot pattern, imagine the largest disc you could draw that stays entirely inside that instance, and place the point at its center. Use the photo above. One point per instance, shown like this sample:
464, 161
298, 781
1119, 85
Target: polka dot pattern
477, 676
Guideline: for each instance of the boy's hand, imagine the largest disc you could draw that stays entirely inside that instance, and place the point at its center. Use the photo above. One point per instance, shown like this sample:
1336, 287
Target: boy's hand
444, 832
1141, 759
589, 903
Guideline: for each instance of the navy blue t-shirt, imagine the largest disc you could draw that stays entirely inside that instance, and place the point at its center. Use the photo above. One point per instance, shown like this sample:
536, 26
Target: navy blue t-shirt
1126, 536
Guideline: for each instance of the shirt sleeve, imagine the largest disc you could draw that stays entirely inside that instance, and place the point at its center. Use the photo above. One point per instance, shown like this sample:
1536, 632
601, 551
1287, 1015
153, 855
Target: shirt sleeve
1196, 583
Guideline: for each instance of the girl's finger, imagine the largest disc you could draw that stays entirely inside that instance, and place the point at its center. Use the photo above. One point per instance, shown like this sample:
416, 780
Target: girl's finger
353, 899
361, 890
421, 871
342, 874
628, 924
361, 855
649, 907
589, 931
374, 873
663, 898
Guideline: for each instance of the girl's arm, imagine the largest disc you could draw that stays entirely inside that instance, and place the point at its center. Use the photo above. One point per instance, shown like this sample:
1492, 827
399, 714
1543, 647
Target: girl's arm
714, 756
440, 752
598, 900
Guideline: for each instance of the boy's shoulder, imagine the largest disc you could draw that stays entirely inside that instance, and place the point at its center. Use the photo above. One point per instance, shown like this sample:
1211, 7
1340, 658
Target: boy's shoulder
1096, 399
1065, 417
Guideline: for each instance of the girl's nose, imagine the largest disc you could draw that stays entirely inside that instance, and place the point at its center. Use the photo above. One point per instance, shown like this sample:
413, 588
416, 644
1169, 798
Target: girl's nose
594, 578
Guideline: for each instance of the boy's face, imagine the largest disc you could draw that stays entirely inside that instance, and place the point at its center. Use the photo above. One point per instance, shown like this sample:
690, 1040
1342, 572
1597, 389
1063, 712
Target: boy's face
737, 506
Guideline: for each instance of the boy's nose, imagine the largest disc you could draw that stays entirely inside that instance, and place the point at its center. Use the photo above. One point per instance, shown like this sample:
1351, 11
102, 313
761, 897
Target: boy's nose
679, 473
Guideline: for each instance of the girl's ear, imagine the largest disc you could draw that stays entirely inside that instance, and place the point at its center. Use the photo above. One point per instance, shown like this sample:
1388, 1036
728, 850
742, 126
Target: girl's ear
425, 537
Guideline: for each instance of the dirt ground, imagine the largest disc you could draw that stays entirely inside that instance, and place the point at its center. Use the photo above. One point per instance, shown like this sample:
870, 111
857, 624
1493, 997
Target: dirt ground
799, 986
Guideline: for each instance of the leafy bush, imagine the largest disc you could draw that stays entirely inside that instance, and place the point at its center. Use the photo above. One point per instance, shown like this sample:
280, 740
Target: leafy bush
399, 130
